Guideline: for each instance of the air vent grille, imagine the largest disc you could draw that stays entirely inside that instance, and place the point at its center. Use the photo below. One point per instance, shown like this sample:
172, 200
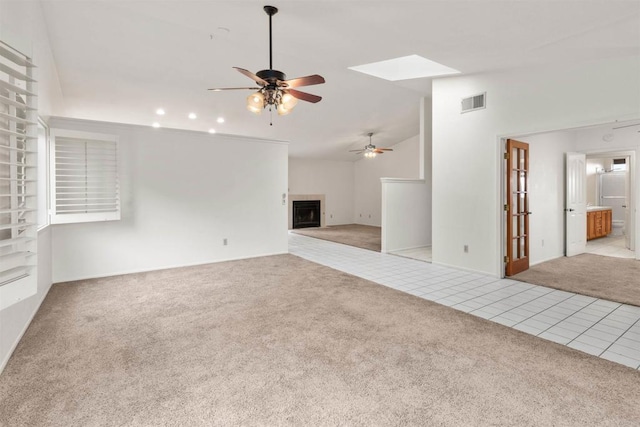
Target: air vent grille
472, 103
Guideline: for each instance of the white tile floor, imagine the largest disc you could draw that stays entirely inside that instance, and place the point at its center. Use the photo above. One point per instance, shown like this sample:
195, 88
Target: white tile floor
613, 246
602, 328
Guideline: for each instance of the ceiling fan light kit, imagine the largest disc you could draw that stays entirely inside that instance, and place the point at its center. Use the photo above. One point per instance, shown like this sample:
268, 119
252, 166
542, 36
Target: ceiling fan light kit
255, 102
275, 90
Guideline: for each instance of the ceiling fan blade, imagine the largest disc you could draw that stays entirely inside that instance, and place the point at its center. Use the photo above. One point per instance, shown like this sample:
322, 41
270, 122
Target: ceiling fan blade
385, 149
304, 96
218, 89
304, 81
252, 76
378, 151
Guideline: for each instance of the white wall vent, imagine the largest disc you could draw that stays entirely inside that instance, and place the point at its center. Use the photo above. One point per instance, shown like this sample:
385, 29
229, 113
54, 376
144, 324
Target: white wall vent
472, 103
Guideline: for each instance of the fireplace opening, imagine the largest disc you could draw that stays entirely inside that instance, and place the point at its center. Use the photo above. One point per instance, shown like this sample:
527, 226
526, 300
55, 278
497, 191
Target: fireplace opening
306, 213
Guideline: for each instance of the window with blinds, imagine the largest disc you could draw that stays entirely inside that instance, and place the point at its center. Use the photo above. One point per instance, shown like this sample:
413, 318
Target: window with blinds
18, 178
84, 177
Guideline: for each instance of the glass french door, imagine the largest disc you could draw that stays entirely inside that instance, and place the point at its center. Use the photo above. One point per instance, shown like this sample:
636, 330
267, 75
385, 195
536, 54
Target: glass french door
517, 207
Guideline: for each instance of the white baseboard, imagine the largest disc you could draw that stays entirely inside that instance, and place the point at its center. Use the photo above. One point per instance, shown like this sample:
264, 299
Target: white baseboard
146, 270
546, 259
470, 270
407, 249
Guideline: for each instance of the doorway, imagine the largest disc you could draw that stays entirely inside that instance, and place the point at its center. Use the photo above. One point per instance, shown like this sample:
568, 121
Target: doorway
610, 189
547, 176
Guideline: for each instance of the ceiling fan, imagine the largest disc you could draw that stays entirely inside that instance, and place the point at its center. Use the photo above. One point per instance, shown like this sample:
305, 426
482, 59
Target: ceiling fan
370, 150
274, 88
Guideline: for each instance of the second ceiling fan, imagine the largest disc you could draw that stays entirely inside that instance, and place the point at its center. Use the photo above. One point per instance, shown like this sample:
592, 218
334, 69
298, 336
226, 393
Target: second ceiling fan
274, 88
370, 150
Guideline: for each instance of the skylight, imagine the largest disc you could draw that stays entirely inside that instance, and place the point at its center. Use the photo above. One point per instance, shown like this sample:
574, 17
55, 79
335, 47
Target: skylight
404, 68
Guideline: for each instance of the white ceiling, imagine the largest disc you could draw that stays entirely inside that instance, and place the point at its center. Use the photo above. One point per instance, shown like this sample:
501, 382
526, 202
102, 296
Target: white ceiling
121, 60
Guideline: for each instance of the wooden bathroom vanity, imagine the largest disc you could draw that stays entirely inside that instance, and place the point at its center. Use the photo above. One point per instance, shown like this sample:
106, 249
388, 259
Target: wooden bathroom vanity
598, 221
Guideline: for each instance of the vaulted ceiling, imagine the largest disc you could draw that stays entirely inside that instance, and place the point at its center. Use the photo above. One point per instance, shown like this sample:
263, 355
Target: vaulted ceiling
121, 60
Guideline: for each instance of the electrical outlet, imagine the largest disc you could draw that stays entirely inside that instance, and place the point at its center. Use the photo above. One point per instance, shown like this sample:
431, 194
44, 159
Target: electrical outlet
466, 249
224, 242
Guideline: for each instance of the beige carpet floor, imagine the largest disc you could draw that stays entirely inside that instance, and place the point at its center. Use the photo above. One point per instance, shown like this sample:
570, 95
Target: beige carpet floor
614, 279
360, 236
282, 341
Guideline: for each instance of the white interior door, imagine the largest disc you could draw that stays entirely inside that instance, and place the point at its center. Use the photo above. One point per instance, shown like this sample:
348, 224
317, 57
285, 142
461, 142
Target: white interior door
576, 204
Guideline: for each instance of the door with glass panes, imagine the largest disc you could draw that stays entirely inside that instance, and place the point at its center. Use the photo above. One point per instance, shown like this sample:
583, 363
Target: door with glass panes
517, 207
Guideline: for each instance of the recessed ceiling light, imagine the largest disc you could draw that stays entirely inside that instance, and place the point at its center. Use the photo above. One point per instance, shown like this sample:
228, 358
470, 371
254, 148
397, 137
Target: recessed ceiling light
160, 112
156, 125
404, 68
212, 131
220, 120
193, 116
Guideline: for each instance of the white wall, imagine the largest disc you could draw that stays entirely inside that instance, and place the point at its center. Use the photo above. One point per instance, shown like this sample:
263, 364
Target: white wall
182, 193
405, 210
334, 179
547, 193
353, 189
406, 204
402, 162
22, 26
609, 138
467, 165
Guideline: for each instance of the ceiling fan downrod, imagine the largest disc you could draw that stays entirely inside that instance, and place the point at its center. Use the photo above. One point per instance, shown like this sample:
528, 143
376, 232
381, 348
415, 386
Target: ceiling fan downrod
271, 10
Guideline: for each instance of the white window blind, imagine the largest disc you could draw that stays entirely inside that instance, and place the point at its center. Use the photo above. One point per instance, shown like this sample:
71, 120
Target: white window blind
84, 177
18, 178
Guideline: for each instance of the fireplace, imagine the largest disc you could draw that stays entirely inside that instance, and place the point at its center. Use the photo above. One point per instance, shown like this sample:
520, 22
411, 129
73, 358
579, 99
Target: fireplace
306, 213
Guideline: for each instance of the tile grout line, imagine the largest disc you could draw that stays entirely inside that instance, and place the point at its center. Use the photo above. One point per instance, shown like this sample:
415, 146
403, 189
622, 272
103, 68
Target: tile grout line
459, 292
510, 296
599, 320
564, 319
551, 306
619, 336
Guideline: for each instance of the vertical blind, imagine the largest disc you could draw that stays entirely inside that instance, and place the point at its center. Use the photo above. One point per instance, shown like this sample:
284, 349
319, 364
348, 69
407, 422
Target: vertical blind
18, 145
84, 177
